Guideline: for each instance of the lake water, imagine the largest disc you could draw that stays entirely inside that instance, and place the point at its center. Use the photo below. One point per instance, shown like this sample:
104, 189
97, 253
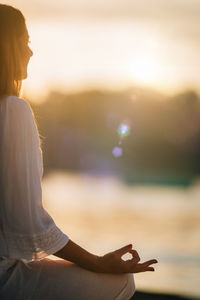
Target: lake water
102, 214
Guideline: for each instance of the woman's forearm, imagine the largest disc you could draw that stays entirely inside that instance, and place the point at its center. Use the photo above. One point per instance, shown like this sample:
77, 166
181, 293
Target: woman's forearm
74, 253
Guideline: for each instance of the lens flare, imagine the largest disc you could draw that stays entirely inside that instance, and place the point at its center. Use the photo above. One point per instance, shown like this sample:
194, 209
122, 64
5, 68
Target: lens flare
117, 151
123, 130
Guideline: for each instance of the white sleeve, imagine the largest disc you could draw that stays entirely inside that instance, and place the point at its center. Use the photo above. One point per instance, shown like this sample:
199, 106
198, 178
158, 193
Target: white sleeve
27, 231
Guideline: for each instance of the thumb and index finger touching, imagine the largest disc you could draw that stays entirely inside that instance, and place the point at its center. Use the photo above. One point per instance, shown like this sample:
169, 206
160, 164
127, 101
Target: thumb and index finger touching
136, 257
128, 249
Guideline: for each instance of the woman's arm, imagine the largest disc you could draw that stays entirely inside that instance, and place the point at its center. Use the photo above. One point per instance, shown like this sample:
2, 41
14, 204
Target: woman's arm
74, 253
108, 263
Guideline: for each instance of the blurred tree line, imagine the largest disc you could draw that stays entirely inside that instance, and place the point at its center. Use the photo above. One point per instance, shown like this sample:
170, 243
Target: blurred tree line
79, 132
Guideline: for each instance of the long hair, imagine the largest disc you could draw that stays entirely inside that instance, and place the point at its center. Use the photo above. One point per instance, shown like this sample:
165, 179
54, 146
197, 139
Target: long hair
12, 27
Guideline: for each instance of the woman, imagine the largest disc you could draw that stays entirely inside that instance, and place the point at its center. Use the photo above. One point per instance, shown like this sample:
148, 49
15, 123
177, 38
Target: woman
27, 232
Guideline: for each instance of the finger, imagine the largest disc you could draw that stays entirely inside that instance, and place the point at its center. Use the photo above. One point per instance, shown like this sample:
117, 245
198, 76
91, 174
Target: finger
139, 268
135, 260
134, 253
150, 269
147, 269
136, 257
124, 250
149, 262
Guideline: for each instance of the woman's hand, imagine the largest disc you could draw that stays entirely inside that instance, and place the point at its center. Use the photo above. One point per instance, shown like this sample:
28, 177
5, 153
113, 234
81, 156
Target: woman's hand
113, 262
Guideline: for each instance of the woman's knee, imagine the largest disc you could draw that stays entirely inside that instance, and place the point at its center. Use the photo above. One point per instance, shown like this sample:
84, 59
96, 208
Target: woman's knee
128, 289
131, 284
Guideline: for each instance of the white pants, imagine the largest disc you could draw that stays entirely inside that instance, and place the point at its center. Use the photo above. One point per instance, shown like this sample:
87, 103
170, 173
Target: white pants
61, 280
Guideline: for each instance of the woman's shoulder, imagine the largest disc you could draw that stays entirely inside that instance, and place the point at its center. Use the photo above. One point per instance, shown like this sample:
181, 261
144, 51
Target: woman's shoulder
14, 100
17, 106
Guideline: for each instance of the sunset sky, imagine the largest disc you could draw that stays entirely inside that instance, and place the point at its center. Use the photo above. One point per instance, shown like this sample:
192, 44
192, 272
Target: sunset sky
117, 43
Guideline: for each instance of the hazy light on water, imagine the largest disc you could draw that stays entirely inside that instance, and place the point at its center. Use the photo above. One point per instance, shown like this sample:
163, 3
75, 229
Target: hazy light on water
157, 220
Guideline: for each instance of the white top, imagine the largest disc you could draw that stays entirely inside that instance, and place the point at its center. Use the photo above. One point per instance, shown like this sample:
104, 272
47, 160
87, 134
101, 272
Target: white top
27, 231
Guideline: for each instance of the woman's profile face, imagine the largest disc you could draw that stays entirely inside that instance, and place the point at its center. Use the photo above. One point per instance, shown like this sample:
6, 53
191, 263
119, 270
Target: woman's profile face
25, 53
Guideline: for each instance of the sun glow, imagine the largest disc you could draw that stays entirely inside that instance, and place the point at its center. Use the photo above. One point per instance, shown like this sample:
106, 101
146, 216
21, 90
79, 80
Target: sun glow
145, 70
69, 56
146, 66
